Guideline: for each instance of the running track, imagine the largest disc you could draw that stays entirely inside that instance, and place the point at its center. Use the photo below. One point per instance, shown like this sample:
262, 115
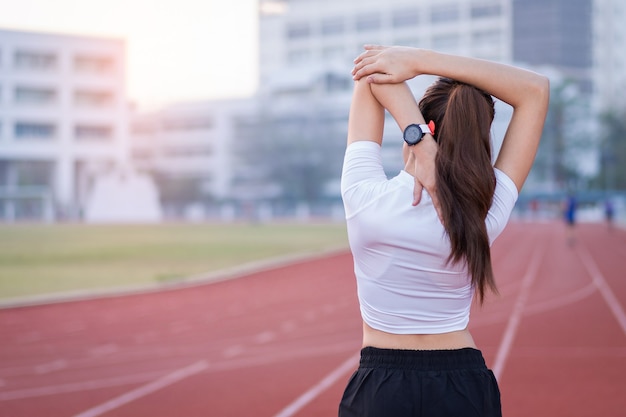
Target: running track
283, 342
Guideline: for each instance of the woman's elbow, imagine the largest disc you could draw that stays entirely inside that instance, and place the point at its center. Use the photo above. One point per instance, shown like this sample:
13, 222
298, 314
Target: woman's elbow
541, 90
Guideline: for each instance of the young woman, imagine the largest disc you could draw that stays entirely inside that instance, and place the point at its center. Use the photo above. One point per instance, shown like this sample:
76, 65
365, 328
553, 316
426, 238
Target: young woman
421, 255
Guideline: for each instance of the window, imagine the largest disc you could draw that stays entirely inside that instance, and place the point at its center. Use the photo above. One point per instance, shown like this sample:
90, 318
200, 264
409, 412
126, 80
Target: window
85, 98
404, 18
486, 38
93, 132
408, 41
486, 10
337, 82
35, 60
34, 130
448, 42
187, 123
334, 26
192, 151
34, 95
298, 56
94, 64
144, 128
446, 13
367, 22
333, 52
299, 30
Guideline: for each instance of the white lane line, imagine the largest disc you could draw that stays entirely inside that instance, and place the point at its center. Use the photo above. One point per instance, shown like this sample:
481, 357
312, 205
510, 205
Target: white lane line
264, 337
145, 390
516, 315
320, 387
56, 365
225, 365
233, 351
564, 300
605, 290
78, 386
104, 350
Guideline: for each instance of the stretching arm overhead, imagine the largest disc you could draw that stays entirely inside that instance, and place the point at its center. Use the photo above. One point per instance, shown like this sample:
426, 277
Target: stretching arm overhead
366, 122
527, 92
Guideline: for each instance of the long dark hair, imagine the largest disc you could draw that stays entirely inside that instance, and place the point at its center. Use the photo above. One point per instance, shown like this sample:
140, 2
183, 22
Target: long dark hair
465, 177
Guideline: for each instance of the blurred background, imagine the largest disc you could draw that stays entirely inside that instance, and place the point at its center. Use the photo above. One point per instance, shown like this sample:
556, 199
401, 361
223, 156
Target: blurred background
151, 111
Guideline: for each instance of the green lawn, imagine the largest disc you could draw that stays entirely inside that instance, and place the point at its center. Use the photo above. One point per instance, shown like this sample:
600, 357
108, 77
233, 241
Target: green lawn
43, 259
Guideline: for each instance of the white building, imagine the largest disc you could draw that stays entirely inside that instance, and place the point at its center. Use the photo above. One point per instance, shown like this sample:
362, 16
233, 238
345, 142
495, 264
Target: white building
187, 149
299, 33
301, 39
63, 120
609, 55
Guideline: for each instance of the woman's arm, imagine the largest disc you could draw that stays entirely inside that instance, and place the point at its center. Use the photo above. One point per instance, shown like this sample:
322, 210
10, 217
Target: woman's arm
366, 122
526, 91
401, 104
367, 116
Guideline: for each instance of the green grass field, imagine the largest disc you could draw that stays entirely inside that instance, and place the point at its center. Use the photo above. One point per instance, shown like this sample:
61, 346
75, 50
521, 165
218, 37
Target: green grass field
45, 259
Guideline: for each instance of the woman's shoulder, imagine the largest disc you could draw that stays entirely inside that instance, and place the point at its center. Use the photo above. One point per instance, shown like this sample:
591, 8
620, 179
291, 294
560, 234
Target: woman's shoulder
505, 183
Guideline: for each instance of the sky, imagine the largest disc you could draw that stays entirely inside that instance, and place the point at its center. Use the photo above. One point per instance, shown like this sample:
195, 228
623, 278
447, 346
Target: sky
176, 50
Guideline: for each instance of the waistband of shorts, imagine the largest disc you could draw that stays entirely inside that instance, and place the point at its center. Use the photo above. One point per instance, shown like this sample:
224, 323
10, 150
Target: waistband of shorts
424, 360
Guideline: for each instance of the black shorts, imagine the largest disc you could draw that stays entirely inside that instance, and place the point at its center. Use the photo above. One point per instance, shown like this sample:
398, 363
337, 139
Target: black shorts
437, 383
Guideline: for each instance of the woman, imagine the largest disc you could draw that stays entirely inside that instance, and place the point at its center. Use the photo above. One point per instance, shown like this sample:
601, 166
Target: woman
420, 256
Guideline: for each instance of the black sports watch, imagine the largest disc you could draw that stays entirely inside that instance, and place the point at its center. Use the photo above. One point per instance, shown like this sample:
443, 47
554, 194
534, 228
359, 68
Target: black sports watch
414, 133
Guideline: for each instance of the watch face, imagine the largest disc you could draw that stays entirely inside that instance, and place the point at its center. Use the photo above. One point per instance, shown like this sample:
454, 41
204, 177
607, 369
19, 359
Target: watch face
413, 134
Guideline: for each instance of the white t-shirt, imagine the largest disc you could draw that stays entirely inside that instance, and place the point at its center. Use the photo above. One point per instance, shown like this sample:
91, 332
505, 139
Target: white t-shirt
404, 284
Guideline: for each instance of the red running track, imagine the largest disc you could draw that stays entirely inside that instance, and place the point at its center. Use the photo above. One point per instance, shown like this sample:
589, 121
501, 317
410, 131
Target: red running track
283, 342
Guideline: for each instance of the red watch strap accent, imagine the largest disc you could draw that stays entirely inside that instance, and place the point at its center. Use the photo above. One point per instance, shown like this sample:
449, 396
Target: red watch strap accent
431, 126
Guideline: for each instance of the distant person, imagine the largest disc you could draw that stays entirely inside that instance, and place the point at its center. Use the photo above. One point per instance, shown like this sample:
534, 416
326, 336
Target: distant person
609, 213
569, 215
420, 255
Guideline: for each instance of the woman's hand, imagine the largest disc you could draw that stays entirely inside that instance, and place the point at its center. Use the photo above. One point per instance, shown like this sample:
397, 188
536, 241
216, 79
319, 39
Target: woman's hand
386, 64
421, 164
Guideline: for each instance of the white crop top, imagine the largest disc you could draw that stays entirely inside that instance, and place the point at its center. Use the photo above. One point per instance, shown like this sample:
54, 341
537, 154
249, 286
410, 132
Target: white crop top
404, 284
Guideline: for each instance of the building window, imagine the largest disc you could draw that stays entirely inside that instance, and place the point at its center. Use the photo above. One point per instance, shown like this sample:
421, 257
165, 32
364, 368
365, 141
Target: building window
34, 95
337, 82
34, 130
334, 26
144, 128
368, 22
35, 60
447, 42
404, 18
486, 38
187, 123
299, 30
486, 10
93, 132
445, 13
188, 152
94, 64
298, 56
408, 41
333, 53
85, 98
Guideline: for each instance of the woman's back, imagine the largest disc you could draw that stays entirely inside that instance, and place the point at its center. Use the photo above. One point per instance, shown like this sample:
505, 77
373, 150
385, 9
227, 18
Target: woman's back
405, 283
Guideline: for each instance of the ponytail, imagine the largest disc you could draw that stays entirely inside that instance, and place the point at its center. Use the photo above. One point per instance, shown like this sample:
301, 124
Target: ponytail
465, 177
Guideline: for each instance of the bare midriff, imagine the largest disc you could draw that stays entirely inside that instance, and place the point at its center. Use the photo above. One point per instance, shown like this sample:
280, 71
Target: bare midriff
452, 340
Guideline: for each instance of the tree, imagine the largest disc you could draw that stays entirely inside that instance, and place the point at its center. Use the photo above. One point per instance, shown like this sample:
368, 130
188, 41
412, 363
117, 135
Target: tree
612, 175
295, 147
567, 149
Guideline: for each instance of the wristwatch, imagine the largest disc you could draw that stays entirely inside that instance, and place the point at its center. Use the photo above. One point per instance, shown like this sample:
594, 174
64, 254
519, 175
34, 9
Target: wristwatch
414, 133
